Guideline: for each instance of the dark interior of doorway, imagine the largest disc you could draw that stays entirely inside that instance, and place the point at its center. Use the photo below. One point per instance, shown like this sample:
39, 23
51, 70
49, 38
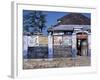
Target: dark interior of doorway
79, 46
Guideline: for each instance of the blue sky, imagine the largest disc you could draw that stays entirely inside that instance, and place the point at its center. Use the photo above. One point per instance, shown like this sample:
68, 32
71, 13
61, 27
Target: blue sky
51, 17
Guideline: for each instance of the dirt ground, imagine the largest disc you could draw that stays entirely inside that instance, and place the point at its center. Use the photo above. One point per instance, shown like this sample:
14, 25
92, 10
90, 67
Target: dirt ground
56, 62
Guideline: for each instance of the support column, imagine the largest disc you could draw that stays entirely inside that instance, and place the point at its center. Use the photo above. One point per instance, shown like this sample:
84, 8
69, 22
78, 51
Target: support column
50, 47
89, 44
74, 49
25, 46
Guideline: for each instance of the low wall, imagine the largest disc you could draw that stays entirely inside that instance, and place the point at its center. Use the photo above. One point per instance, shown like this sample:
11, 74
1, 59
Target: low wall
38, 52
62, 51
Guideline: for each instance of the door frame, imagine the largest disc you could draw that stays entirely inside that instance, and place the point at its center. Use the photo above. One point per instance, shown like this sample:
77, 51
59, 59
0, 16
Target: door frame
79, 52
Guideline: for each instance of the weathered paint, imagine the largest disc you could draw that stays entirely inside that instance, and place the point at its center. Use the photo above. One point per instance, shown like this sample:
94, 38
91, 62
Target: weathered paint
74, 50
25, 46
43, 40
50, 47
33, 41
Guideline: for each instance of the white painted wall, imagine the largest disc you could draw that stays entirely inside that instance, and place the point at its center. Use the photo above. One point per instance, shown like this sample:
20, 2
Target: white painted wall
5, 41
33, 41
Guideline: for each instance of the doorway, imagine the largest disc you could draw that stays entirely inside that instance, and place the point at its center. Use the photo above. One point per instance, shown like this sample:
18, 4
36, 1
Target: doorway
82, 44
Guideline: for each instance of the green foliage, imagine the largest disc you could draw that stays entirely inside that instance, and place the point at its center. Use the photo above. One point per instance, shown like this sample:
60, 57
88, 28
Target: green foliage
38, 21
33, 21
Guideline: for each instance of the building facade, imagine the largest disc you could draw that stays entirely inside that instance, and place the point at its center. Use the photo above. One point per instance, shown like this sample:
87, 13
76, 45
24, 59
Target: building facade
71, 36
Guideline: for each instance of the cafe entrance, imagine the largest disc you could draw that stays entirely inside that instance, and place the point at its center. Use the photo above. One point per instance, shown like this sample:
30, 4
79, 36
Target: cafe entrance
82, 44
